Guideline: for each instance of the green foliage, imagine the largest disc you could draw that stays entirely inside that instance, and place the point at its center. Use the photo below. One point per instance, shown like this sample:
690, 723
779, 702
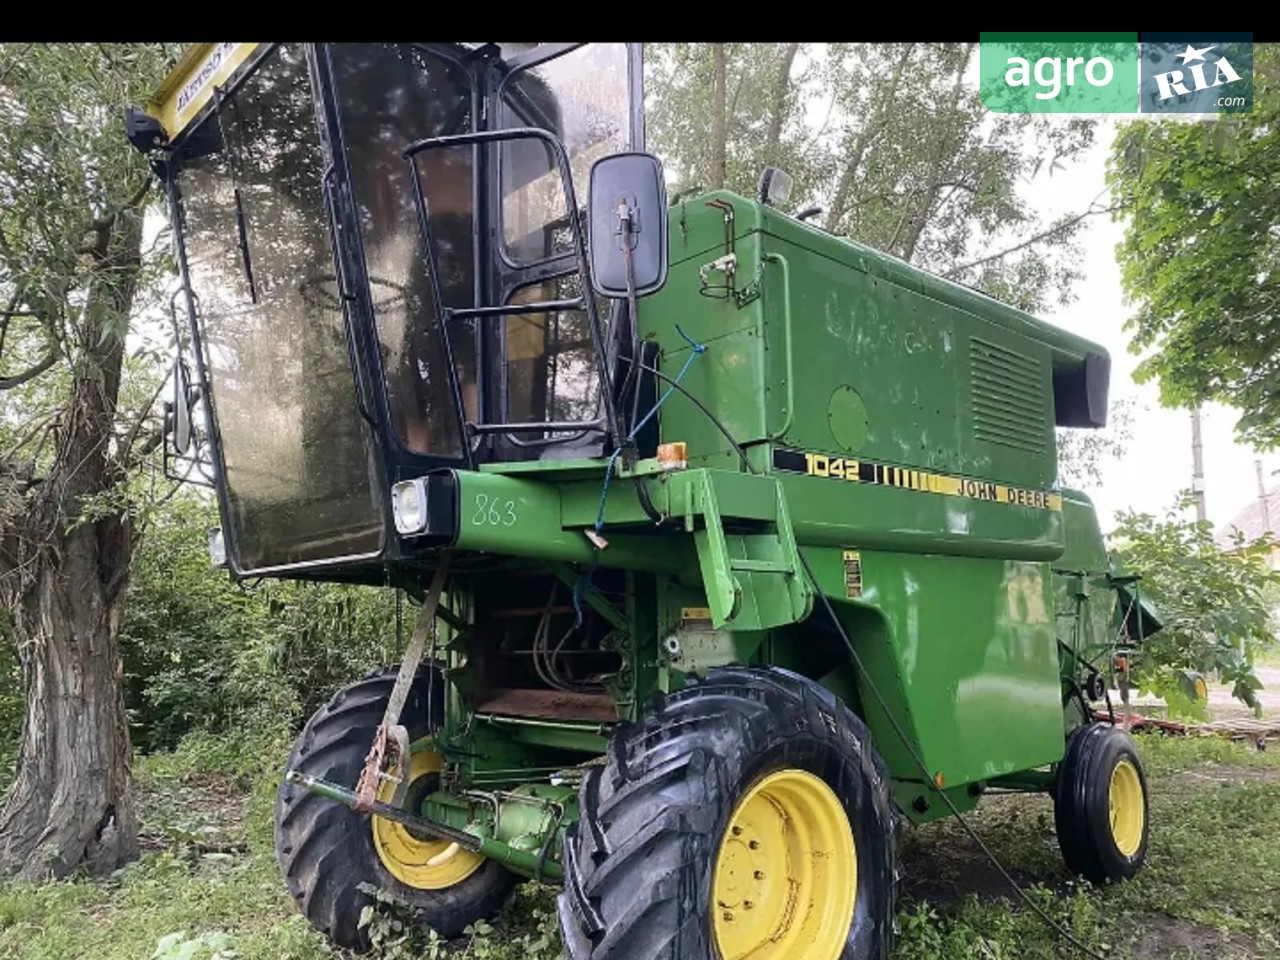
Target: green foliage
202, 654
891, 139
179, 946
1202, 204
73, 269
1213, 603
526, 930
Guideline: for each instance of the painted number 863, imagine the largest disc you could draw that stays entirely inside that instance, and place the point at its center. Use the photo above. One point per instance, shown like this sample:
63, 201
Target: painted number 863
493, 511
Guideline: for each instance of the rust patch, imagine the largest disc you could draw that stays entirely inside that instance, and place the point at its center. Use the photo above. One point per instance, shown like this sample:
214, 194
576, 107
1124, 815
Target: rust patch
550, 705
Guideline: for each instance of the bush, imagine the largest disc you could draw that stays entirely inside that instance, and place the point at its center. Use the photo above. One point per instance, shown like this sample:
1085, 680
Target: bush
203, 654
1215, 604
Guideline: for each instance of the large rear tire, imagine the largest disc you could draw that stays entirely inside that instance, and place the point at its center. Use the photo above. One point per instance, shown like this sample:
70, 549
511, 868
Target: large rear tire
745, 816
326, 851
1100, 805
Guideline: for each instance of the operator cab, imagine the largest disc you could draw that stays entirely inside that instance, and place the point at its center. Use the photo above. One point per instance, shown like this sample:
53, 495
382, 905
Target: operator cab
383, 256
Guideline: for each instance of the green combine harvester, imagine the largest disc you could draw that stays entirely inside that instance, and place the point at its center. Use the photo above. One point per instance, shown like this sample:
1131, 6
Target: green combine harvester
737, 544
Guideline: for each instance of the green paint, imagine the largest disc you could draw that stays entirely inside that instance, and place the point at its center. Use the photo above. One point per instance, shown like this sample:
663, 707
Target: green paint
847, 417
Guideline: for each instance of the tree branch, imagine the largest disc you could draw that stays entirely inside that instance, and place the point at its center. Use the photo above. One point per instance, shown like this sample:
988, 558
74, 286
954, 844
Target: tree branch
101, 226
937, 172
719, 124
9, 67
870, 131
1048, 234
47, 361
126, 449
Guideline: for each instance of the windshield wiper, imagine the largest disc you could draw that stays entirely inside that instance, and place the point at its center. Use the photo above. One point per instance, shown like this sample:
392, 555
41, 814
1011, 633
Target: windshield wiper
243, 244
233, 162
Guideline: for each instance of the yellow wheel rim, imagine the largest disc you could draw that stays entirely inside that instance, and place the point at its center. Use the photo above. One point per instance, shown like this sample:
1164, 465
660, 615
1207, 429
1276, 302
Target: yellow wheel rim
1128, 808
786, 874
421, 864
1202, 689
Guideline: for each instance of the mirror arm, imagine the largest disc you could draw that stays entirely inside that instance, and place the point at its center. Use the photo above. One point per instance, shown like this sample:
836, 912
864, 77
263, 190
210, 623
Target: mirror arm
632, 381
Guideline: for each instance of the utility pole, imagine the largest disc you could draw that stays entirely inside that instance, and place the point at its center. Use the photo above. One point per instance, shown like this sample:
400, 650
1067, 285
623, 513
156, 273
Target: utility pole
1197, 465
1262, 496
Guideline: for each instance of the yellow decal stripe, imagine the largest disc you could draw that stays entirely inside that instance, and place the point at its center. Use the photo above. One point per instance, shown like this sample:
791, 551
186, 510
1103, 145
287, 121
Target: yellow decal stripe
885, 475
191, 85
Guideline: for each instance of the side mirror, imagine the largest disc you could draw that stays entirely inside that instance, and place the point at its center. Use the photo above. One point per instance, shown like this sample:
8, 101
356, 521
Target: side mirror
182, 432
628, 223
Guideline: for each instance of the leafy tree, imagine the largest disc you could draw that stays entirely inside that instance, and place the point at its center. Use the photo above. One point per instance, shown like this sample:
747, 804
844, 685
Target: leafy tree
891, 139
1202, 204
1084, 455
72, 265
1213, 603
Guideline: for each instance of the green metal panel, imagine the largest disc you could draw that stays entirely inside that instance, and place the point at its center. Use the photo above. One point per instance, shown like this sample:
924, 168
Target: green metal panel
943, 389
964, 648
1083, 545
520, 517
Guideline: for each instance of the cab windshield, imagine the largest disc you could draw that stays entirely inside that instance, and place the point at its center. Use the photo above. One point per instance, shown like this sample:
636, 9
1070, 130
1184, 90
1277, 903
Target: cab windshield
259, 192
253, 225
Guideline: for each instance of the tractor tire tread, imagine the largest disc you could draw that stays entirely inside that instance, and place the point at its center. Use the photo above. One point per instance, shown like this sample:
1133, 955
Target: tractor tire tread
650, 815
325, 850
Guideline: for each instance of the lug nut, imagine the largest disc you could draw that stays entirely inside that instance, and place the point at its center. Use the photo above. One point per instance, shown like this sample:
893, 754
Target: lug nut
759, 874
728, 916
747, 904
754, 844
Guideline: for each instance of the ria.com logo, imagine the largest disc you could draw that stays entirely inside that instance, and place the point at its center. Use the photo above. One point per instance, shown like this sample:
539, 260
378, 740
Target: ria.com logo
1117, 72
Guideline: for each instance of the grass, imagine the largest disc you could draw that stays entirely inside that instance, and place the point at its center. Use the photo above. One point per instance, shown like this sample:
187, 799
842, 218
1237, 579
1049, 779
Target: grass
1208, 888
208, 871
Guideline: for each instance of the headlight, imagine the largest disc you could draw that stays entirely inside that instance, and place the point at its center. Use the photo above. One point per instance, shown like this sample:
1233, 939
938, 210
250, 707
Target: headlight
217, 547
409, 506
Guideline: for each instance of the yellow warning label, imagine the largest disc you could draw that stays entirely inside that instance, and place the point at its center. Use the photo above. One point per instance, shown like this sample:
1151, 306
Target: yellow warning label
695, 617
852, 574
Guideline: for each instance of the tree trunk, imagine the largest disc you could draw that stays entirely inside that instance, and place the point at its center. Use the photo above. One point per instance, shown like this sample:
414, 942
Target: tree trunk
778, 104
882, 101
719, 120
914, 222
64, 586
71, 803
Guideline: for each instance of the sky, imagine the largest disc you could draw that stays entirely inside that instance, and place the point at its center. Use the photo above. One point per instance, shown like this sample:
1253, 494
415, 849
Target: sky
1157, 464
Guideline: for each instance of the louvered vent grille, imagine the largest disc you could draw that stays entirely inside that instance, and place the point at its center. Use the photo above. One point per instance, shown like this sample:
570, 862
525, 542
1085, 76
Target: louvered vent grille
1010, 406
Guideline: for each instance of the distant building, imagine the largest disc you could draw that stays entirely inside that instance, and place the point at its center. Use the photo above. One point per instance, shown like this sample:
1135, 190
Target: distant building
1260, 517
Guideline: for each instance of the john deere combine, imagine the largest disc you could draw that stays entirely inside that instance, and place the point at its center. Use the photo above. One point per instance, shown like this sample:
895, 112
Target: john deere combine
736, 543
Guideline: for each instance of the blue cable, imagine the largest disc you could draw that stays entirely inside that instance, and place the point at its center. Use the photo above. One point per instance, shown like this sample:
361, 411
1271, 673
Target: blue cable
698, 348
585, 578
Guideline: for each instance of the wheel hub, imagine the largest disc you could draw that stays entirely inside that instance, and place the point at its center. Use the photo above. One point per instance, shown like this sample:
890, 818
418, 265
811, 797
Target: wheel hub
424, 863
785, 878
1127, 808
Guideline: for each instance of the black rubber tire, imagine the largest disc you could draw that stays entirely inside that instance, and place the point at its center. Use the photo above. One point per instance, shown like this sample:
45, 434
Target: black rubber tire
1081, 805
325, 850
638, 864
